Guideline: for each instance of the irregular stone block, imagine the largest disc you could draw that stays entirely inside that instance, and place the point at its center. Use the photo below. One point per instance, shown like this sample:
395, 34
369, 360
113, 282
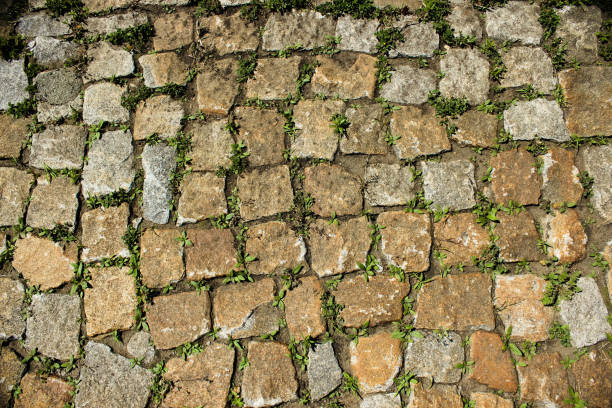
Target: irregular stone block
14, 190
528, 66
158, 162
435, 357
276, 248
516, 21
357, 35
419, 132
13, 83
202, 196
102, 102
388, 184
37, 24
375, 361
544, 380
514, 177
303, 309
567, 239
173, 31
211, 255
420, 40
263, 135
459, 238
593, 376
11, 369
315, 137
162, 69
518, 237
409, 85
160, 115
58, 147
450, 184
348, 79
11, 320
51, 52
475, 128
405, 240
12, 136
211, 146
542, 118
43, 263
107, 61
115, 22
324, 373
305, 27
139, 346
437, 396
597, 161
365, 133
43, 392
334, 190
103, 231
578, 27
464, 21
492, 366
53, 203
217, 87
466, 75
560, 181
265, 192
227, 35
161, 257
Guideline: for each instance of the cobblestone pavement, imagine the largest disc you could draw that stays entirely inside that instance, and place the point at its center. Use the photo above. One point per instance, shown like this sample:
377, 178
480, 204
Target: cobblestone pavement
364, 204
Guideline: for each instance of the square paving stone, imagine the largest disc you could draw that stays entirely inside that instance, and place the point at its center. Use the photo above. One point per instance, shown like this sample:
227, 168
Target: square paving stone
110, 380
211, 255
409, 85
14, 190
528, 66
449, 184
58, 147
597, 160
115, 22
202, 196
420, 40
357, 35
456, 302
41, 24
158, 163
466, 75
338, 248
315, 137
334, 189
560, 181
102, 102
38, 392
211, 146
303, 309
578, 27
518, 237
173, 31
365, 134
103, 230
492, 366
110, 301
53, 203
544, 380
465, 21
106, 61
52, 52
593, 376
161, 257
276, 247
163, 69
274, 78
388, 184
437, 396
514, 177
11, 320
375, 361
347, 79
405, 240
541, 118
217, 87
178, 318
160, 115
263, 135
57, 94
419, 132
54, 324
227, 35
565, 235
13, 83
459, 237
435, 357
307, 28
475, 128
265, 192
13, 134
516, 21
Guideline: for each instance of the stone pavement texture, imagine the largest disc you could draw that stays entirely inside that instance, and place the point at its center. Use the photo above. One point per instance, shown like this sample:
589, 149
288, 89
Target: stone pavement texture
343, 203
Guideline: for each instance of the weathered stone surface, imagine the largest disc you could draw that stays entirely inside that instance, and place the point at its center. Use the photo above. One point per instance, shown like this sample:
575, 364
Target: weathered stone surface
161, 257
139, 347
357, 35
518, 299
560, 182
388, 184
307, 28
166, 2
110, 164
178, 318
435, 357
378, 300
437, 396
173, 31
158, 162
419, 131
518, 237
412, 4
53, 203
487, 400
270, 377
315, 137
375, 361
115, 22
58, 147
201, 380
106, 61
338, 248
450, 184
211, 255
103, 230
597, 162
607, 254
324, 373
475, 128
466, 75
53, 325
57, 87
348, 79
516, 21
211, 146
578, 27
334, 190
492, 366
276, 247
43, 392
390, 400
42, 262
226, 3
227, 35
102, 102
14, 189
420, 40
12, 135
303, 309
464, 21
11, 321
162, 69
13, 83
274, 78
459, 238
585, 314
566, 237
409, 85
542, 118
202, 196
365, 133
217, 87
514, 177
593, 374
544, 380
587, 94
11, 369
110, 380
51, 52
160, 115
234, 306
262, 133
456, 302
37, 24
265, 192
528, 66
101, 5
405, 240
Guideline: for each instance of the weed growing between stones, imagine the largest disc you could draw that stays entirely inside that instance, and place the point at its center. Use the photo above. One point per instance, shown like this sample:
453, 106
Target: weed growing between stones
562, 285
561, 332
434, 11
603, 36
490, 49
132, 98
12, 46
246, 67
61, 7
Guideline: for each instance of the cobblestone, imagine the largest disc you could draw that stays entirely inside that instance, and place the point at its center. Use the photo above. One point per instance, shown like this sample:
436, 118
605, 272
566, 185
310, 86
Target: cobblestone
516, 21
514, 178
43, 392
596, 161
345, 79
108, 61
158, 115
227, 35
162, 69
276, 248
58, 147
43, 263
334, 189
528, 66
375, 361
465, 75
265, 192
409, 85
158, 162
211, 254
324, 373
202, 196
314, 136
306, 28
450, 184
53, 203
435, 357
419, 132
274, 78
103, 231
11, 322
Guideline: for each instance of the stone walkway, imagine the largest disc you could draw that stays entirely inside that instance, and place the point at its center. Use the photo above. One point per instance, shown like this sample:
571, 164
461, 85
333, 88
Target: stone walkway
364, 204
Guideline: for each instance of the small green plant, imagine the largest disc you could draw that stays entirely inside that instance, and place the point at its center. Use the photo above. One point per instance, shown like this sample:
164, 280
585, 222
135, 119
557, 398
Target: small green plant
80, 280
133, 37
562, 285
340, 124
331, 42
390, 139
60, 7
405, 332
561, 332
350, 384
549, 19
299, 351
159, 386
370, 268
397, 272
200, 286
529, 92
354, 8
404, 384
574, 399
570, 360
183, 240
466, 367
421, 281
355, 333
447, 107
246, 67
12, 46
59, 233
497, 68
244, 363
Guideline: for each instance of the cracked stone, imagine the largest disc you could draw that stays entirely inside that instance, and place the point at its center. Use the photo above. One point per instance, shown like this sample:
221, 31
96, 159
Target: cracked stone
450, 184
43, 263
466, 75
43, 392
456, 302
303, 309
334, 190
578, 28
202, 196
518, 237
263, 135
435, 357
102, 102
54, 324
464, 21
211, 146
173, 31
357, 35
107, 61
597, 161
274, 78
324, 373
160, 115
162, 69
567, 239
14, 190
276, 247
307, 28
11, 369
110, 24
593, 374
514, 177
365, 133
375, 361
486, 400
388, 185
51, 52
158, 162
540, 118
58, 147
459, 237
13, 133
161, 257
315, 137
409, 85
406, 240
227, 35
560, 181
420, 40
528, 66
437, 396
347, 79
13, 83
178, 318
265, 192
110, 301
103, 230
544, 380
217, 87
419, 132
338, 248
211, 255
139, 347
53, 203
492, 366
11, 321
519, 301
475, 128
516, 21
378, 300
38, 24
